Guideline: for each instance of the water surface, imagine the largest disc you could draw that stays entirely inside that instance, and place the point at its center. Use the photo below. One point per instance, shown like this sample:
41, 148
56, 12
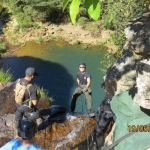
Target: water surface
57, 64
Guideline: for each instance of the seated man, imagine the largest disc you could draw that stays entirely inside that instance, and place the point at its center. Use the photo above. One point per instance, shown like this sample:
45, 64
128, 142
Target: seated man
83, 81
26, 130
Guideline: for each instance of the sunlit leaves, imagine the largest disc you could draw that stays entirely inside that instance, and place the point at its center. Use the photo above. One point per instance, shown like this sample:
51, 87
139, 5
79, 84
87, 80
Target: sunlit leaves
1, 8
74, 10
93, 8
65, 3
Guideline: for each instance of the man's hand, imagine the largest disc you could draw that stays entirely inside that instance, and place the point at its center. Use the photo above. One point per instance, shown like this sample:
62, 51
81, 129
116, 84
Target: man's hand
84, 89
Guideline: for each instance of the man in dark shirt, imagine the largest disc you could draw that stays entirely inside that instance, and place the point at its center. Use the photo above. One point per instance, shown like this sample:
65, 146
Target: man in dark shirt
83, 81
30, 95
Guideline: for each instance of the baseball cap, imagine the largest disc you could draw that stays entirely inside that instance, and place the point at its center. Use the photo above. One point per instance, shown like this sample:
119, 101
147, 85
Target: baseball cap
82, 63
30, 72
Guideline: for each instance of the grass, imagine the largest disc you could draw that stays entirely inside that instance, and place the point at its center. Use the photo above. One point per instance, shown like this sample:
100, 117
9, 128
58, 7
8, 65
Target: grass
5, 76
77, 42
43, 93
39, 39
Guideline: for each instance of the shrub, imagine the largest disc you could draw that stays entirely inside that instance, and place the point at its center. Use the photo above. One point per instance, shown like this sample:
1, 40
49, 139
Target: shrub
117, 14
5, 76
43, 93
82, 20
2, 47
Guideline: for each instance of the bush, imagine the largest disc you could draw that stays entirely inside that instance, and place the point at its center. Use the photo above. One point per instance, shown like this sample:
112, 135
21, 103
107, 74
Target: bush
2, 47
82, 20
43, 93
117, 14
5, 76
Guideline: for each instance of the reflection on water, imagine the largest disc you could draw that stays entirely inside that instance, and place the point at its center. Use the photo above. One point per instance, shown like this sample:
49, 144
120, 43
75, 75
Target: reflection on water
57, 64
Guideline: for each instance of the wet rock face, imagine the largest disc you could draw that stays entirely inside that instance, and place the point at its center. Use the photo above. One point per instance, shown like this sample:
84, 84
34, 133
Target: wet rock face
132, 68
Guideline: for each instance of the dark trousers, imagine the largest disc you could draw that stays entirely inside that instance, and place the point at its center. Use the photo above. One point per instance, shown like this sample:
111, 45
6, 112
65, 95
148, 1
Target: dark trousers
21, 110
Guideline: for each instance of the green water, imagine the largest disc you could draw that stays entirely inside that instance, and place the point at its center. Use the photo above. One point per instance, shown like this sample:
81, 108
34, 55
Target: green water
57, 64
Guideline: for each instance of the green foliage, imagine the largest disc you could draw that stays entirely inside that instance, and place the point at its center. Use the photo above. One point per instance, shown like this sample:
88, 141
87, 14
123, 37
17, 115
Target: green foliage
77, 42
92, 7
5, 76
27, 12
82, 21
39, 39
74, 10
43, 93
1, 8
108, 60
59, 37
117, 14
60, 29
2, 47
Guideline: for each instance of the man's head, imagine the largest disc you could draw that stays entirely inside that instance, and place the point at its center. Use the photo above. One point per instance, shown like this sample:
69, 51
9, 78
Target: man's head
82, 67
27, 129
31, 72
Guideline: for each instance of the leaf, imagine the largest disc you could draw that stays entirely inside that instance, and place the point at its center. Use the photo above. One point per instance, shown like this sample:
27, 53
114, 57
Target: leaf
74, 10
65, 3
1, 8
93, 8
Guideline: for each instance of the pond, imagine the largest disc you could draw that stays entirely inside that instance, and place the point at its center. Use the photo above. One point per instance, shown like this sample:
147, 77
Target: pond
57, 64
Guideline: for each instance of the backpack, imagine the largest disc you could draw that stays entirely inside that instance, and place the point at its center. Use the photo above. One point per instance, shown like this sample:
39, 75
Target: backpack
20, 92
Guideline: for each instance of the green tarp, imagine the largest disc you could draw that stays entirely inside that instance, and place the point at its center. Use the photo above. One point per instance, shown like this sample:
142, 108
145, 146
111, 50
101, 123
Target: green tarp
130, 117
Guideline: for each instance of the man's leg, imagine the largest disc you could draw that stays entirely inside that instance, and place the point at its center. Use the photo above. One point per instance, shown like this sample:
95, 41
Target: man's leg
78, 91
21, 109
88, 95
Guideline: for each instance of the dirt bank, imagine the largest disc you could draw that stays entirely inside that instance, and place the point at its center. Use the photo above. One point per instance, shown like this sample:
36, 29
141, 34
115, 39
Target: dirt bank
73, 34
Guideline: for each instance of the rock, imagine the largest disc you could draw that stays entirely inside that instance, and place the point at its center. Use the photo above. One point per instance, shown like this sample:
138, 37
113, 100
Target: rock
122, 75
67, 135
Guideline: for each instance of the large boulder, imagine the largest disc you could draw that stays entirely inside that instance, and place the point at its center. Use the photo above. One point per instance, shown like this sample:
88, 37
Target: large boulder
126, 71
67, 135
128, 80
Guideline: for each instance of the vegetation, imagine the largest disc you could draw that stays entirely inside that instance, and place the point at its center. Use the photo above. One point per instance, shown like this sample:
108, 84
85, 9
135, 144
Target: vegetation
5, 76
2, 47
27, 13
116, 16
113, 14
92, 7
43, 93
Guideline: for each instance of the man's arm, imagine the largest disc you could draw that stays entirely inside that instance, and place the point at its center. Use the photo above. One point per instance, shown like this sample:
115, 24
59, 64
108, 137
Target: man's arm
34, 96
35, 102
88, 83
78, 81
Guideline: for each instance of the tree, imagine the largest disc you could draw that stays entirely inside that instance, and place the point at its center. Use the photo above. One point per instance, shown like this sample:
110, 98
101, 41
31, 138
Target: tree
92, 6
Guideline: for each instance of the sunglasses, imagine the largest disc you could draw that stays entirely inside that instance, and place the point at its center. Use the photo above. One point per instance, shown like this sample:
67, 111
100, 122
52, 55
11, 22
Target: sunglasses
81, 67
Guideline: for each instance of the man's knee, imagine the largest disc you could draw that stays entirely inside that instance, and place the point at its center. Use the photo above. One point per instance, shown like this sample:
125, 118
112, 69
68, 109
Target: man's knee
78, 91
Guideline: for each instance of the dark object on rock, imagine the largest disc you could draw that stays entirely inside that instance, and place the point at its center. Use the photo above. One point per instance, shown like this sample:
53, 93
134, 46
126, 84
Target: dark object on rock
55, 113
104, 116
